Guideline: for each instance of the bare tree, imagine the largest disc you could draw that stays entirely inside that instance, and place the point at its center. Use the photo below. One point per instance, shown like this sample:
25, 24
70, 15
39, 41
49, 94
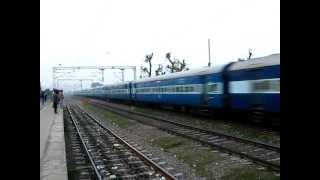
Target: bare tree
148, 59
176, 65
248, 58
171, 67
183, 66
250, 53
159, 70
141, 71
144, 71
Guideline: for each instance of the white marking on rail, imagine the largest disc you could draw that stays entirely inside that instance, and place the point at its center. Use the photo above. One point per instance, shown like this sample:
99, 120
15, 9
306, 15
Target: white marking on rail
275, 159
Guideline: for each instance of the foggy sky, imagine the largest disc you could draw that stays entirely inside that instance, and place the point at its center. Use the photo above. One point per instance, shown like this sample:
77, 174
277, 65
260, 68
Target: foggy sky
122, 32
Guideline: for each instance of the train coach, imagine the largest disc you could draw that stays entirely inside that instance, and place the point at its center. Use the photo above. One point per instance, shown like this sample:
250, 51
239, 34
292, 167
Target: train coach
245, 86
188, 89
254, 85
120, 91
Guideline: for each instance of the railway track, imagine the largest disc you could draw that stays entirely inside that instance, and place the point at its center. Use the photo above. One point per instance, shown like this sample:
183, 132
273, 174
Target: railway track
258, 152
109, 155
78, 162
204, 116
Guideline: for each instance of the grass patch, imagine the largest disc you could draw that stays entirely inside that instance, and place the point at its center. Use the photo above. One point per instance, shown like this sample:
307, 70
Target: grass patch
106, 115
244, 133
248, 173
199, 159
254, 135
182, 149
145, 111
231, 129
169, 142
138, 109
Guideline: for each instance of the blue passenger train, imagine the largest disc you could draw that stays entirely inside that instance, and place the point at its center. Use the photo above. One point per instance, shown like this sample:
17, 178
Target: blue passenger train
247, 86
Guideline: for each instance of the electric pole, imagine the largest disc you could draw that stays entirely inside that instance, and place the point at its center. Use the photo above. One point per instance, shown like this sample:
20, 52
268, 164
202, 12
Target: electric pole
102, 74
81, 84
122, 75
209, 64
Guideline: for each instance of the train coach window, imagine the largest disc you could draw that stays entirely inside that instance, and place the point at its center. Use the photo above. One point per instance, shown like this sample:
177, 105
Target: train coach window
212, 88
275, 85
197, 88
272, 85
260, 86
172, 89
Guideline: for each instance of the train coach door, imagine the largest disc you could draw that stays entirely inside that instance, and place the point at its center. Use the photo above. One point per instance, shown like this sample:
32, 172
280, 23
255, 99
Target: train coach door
159, 91
132, 91
204, 90
256, 99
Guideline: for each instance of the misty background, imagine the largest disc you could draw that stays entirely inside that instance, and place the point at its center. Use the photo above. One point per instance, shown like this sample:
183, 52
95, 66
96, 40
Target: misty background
122, 32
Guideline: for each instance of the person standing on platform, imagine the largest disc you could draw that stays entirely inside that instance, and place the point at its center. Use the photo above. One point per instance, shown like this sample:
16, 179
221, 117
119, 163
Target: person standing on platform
45, 97
55, 100
42, 97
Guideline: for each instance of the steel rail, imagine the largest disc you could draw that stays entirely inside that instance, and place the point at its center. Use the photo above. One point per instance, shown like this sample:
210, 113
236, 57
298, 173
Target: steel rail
148, 161
275, 167
256, 143
97, 173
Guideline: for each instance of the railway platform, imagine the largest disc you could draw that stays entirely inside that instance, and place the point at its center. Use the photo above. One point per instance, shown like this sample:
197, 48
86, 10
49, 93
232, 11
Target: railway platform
53, 164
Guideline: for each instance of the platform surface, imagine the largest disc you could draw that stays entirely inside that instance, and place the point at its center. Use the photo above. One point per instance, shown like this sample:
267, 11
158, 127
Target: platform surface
52, 145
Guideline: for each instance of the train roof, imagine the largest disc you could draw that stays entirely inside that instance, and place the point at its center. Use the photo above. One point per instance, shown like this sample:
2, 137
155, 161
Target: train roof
270, 60
118, 84
273, 59
194, 72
